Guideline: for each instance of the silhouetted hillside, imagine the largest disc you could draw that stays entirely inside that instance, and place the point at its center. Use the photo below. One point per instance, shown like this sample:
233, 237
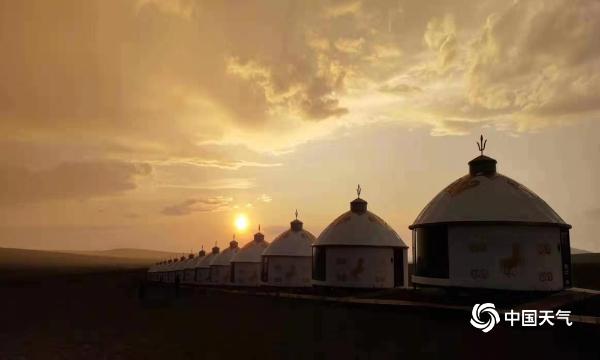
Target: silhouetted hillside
20, 263
586, 268
589, 258
152, 255
575, 251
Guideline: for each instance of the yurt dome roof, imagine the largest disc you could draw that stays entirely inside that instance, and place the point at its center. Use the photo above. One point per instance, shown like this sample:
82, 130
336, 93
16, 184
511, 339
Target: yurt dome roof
194, 263
293, 242
182, 263
224, 258
208, 259
252, 251
359, 227
485, 196
172, 265
189, 262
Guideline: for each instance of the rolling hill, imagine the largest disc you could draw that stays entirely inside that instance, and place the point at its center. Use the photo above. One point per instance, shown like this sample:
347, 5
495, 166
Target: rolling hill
129, 253
26, 264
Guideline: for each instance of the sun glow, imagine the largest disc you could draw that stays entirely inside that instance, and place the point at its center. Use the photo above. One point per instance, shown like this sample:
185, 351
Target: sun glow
241, 222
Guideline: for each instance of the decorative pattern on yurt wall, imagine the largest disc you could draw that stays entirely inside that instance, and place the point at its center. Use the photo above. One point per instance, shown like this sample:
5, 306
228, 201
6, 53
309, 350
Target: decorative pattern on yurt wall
515, 257
188, 276
220, 274
360, 267
203, 275
247, 274
291, 271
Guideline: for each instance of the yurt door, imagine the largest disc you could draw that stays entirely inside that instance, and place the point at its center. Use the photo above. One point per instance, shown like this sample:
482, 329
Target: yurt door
398, 267
565, 251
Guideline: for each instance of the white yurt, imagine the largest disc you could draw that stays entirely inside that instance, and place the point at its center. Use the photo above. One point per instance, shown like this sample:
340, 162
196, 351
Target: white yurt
180, 269
486, 230
172, 270
203, 266
359, 250
155, 275
246, 264
160, 272
152, 271
166, 271
288, 260
189, 276
186, 267
220, 269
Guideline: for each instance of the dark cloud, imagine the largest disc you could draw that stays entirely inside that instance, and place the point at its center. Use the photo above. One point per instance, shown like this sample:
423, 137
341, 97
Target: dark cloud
74, 180
217, 203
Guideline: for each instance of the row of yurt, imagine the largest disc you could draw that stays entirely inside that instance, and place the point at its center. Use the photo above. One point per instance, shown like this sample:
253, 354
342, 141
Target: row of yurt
357, 250
484, 230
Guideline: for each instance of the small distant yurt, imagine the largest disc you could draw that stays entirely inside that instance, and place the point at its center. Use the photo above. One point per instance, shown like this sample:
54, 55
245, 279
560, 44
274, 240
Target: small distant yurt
246, 264
162, 275
185, 266
359, 250
165, 271
187, 273
485, 230
287, 261
172, 270
180, 269
203, 266
159, 271
189, 276
220, 269
152, 271
156, 271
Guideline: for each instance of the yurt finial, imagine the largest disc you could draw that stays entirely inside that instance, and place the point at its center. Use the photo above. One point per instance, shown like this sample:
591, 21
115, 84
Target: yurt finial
259, 236
481, 144
358, 205
215, 249
482, 165
296, 225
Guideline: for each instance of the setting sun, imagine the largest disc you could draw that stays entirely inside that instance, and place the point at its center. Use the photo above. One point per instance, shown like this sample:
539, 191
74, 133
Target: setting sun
241, 222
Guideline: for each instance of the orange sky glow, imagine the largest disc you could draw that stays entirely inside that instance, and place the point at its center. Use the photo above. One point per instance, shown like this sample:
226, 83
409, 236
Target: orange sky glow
156, 124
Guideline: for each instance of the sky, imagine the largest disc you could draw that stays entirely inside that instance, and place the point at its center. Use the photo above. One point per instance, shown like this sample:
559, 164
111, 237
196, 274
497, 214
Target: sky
154, 124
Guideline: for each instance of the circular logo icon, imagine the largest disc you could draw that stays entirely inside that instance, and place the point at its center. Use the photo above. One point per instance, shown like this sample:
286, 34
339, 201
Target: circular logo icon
484, 316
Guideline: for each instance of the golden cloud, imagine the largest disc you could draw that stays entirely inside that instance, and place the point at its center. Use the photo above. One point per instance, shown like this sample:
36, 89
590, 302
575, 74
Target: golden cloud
77, 180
